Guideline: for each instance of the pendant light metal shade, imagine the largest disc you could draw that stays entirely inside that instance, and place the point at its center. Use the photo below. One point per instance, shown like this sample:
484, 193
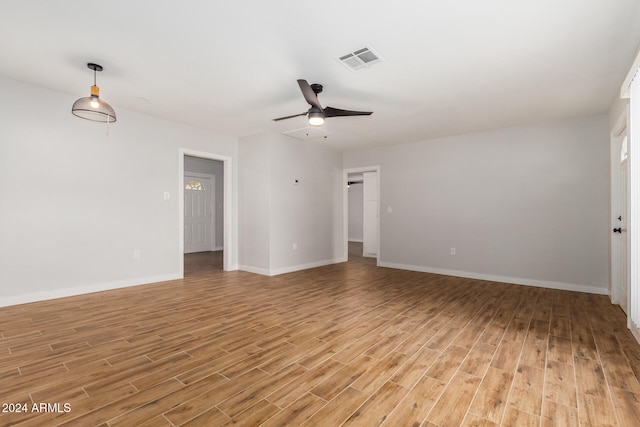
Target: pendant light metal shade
92, 107
103, 113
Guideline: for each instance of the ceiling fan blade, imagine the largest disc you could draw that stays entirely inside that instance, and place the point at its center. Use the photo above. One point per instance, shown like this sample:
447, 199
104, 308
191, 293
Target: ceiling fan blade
309, 94
337, 112
289, 117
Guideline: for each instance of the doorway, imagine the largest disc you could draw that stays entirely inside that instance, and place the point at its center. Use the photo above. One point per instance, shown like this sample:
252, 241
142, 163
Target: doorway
619, 243
205, 237
200, 206
361, 217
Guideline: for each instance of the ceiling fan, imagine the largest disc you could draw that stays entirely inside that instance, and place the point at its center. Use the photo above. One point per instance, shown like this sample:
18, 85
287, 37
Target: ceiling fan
316, 114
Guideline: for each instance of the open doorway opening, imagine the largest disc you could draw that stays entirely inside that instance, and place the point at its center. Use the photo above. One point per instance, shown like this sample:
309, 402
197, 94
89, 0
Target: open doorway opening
204, 221
355, 223
203, 214
361, 214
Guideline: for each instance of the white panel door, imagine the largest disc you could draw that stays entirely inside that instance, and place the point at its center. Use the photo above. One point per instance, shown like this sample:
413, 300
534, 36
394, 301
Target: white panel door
197, 214
624, 253
370, 214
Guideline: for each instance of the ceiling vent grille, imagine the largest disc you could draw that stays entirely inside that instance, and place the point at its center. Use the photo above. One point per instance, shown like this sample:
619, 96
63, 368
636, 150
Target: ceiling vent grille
359, 59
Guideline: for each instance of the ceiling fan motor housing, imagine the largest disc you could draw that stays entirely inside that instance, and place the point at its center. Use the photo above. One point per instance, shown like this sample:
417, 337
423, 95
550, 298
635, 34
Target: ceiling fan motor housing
316, 88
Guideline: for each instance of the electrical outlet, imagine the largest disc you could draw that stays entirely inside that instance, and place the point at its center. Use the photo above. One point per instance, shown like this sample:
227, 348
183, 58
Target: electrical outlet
452, 251
136, 254
295, 246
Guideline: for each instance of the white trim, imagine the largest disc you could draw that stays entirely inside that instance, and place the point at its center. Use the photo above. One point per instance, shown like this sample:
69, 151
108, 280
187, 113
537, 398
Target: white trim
345, 209
624, 90
70, 292
620, 126
502, 279
290, 269
254, 270
356, 240
230, 244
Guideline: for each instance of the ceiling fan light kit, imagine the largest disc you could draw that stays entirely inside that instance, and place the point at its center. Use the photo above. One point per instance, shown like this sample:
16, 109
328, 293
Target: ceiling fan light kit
316, 114
92, 107
315, 117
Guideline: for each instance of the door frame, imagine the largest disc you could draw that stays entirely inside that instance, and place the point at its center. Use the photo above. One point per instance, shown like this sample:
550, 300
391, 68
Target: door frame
618, 133
345, 208
229, 244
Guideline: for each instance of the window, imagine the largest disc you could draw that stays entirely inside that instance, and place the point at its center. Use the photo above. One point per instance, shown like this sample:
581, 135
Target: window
194, 185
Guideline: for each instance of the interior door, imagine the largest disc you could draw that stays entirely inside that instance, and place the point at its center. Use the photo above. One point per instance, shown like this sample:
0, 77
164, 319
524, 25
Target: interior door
197, 214
370, 214
622, 229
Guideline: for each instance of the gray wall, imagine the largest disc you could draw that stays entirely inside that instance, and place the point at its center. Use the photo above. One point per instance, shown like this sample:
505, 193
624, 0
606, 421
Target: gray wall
275, 212
76, 203
254, 193
526, 204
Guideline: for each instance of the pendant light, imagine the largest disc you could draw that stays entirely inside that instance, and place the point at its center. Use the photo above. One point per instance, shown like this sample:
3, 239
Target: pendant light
92, 107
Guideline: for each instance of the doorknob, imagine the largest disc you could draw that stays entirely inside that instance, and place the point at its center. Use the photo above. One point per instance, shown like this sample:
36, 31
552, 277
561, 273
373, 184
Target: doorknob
618, 230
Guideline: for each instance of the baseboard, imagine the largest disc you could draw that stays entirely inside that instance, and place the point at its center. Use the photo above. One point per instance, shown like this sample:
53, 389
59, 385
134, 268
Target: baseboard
255, 270
356, 240
290, 269
501, 279
69, 292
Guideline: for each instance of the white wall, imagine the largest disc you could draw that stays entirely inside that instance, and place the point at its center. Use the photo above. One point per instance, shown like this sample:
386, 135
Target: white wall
275, 212
76, 203
355, 212
215, 168
527, 204
254, 195
523, 205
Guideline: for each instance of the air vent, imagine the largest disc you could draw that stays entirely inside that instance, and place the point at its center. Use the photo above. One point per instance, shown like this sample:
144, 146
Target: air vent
361, 58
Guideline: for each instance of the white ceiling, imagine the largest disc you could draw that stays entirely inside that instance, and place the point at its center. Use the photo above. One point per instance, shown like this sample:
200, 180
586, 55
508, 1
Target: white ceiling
449, 67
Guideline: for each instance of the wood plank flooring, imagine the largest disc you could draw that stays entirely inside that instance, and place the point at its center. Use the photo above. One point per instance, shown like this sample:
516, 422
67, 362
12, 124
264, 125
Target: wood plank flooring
346, 344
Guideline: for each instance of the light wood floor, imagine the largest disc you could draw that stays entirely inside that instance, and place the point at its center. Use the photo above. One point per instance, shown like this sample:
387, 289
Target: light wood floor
346, 344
